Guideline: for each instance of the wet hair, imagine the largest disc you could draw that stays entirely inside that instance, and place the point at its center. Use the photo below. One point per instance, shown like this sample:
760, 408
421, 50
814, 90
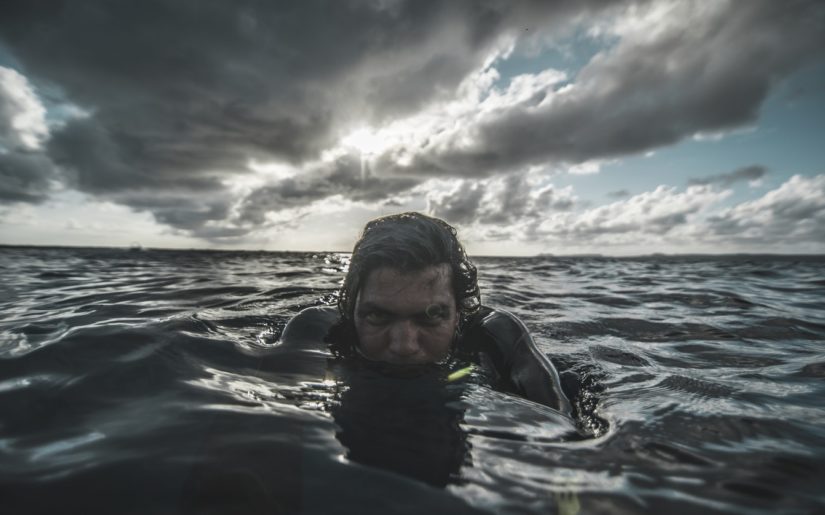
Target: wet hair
410, 242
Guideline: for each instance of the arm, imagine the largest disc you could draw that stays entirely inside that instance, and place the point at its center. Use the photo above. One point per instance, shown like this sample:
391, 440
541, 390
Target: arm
518, 362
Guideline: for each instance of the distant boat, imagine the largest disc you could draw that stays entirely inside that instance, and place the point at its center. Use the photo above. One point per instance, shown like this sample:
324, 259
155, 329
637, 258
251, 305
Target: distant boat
135, 247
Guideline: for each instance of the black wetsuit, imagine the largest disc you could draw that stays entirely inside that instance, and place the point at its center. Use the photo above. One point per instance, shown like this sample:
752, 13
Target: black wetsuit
501, 344
496, 340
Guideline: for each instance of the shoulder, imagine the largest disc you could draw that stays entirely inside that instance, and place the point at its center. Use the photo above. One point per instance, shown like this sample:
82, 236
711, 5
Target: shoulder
502, 339
311, 324
494, 331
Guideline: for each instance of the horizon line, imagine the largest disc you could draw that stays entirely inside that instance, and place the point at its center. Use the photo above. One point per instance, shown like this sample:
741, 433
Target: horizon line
140, 248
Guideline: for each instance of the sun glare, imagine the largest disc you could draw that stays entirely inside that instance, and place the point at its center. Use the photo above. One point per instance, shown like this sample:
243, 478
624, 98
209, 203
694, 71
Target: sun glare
365, 141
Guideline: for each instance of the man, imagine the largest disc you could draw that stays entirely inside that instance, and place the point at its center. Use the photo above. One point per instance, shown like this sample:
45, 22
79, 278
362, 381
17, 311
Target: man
411, 297
409, 290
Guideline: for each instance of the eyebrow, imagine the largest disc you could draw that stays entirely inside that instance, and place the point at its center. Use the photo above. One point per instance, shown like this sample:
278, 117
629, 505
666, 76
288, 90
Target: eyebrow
373, 306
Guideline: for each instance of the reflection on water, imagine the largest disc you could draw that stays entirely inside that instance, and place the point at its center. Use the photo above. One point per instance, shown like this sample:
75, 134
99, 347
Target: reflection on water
155, 382
407, 425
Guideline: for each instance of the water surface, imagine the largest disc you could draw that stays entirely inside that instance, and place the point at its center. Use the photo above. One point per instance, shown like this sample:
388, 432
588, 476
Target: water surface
155, 381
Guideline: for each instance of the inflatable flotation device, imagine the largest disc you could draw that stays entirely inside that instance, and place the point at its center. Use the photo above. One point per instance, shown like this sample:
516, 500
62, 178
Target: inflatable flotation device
494, 339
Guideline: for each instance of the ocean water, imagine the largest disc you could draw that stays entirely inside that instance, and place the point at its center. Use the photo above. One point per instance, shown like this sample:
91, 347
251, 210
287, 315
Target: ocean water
156, 382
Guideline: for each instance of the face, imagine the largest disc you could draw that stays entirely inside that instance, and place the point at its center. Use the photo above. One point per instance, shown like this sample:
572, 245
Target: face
406, 317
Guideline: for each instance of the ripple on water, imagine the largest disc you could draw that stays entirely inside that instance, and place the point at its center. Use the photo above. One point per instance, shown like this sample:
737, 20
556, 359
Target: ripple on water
695, 381
697, 387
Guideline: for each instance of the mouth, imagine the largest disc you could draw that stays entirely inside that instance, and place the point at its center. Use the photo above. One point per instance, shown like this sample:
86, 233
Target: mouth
403, 370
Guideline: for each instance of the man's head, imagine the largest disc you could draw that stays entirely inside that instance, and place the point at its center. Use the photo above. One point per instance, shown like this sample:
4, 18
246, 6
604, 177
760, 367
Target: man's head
409, 287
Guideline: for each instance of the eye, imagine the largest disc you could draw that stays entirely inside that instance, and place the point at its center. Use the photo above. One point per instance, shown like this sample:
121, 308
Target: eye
435, 311
434, 315
377, 317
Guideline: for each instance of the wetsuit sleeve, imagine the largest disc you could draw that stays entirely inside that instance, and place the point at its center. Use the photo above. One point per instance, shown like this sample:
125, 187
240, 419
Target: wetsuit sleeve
519, 364
309, 327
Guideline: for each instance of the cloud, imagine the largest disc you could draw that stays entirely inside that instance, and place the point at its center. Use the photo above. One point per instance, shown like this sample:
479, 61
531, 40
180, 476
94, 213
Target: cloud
749, 173
653, 214
347, 176
511, 209
189, 213
263, 79
791, 216
514, 200
182, 96
551, 217
104, 160
619, 194
179, 98
22, 116
792, 213
458, 206
25, 177
677, 69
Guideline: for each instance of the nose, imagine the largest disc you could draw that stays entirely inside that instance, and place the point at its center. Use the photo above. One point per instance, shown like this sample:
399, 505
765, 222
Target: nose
403, 339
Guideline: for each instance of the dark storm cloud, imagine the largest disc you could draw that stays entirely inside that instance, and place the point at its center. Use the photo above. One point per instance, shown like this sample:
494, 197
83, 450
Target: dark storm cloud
183, 94
25, 177
460, 206
265, 74
201, 215
346, 176
748, 173
102, 160
707, 69
182, 213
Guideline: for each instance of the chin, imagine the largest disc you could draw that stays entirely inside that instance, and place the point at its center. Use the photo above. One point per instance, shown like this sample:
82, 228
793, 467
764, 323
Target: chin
394, 360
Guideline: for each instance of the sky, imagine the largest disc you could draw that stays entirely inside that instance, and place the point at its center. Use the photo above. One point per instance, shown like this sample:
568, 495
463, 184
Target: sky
615, 127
